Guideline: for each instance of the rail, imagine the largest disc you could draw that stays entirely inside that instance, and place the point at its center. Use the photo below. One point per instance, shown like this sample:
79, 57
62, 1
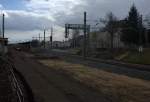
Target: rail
12, 78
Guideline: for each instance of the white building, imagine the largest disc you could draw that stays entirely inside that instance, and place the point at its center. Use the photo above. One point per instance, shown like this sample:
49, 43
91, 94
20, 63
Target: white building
102, 40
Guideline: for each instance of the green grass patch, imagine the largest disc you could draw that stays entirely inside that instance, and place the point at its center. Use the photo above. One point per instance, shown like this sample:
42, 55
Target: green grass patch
138, 58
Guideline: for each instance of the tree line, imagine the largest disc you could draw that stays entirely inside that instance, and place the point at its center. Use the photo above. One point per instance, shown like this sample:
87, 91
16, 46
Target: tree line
131, 28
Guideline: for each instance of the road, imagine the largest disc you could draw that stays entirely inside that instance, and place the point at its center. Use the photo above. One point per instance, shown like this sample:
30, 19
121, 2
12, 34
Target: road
50, 86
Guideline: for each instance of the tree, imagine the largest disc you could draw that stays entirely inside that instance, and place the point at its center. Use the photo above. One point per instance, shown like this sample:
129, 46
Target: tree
132, 28
110, 26
147, 29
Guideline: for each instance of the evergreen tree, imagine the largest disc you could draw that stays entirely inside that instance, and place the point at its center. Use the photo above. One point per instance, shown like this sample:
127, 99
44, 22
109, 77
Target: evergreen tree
132, 28
147, 28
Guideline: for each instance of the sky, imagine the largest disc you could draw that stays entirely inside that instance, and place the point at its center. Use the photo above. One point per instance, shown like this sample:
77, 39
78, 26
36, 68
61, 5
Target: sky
25, 19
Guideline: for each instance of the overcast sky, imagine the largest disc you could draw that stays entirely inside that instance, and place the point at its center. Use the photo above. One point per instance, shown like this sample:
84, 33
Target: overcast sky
27, 18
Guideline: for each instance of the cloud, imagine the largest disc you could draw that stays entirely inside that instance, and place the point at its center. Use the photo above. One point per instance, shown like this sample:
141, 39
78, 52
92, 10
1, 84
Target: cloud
40, 13
45, 13
24, 20
1, 6
53, 6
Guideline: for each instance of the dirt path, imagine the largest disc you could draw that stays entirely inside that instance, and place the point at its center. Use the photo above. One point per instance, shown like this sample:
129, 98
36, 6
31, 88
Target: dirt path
51, 86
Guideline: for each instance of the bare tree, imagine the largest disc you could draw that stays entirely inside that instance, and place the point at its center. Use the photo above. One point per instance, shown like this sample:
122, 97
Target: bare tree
110, 23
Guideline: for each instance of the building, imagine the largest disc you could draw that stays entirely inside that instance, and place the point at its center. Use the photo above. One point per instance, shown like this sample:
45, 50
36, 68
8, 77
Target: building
102, 40
3, 45
58, 44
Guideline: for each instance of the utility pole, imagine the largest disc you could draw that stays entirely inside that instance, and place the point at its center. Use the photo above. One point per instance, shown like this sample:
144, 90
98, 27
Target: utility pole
39, 37
39, 40
51, 37
84, 45
44, 38
3, 25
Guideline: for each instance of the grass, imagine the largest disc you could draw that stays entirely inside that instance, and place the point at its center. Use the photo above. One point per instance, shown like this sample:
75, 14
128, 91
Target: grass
116, 88
138, 58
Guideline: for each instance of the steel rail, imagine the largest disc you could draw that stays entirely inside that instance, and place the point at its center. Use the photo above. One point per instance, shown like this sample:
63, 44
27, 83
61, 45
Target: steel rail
14, 82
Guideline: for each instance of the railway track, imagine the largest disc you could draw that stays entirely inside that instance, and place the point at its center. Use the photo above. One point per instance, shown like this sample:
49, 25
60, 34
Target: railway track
110, 62
113, 67
12, 85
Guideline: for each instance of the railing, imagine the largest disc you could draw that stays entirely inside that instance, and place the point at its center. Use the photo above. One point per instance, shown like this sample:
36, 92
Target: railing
14, 82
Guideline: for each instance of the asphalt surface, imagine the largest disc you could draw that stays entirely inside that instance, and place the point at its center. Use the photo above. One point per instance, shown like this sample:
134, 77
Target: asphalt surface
53, 86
